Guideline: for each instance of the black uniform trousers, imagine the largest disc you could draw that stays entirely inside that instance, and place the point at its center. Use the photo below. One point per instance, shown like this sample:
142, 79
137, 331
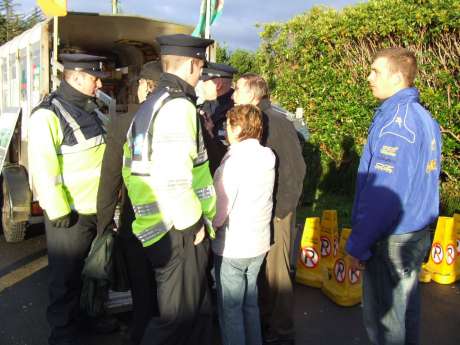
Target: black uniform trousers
183, 293
67, 250
140, 273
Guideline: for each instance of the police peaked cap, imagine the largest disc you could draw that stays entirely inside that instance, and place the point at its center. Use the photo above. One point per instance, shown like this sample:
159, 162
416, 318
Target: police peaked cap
151, 70
184, 45
91, 64
217, 70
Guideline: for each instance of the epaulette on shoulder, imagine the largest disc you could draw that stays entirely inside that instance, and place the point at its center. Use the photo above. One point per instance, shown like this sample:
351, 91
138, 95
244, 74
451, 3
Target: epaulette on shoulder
175, 93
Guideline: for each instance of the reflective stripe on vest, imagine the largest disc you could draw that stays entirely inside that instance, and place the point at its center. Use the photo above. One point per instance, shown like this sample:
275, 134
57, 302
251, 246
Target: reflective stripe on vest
205, 193
152, 232
82, 143
146, 209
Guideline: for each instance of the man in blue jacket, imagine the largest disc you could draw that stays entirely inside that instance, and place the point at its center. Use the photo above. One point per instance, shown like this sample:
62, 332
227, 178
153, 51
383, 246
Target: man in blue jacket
397, 198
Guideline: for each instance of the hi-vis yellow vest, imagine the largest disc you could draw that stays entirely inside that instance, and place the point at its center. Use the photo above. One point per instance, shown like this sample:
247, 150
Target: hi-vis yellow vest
151, 224
66, 146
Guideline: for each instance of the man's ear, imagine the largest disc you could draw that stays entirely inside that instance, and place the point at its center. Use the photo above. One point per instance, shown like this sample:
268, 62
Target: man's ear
252, 98
398, 78
218, 83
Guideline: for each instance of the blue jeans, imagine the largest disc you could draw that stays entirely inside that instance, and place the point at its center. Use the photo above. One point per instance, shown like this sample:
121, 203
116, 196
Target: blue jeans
391, 297
237, 300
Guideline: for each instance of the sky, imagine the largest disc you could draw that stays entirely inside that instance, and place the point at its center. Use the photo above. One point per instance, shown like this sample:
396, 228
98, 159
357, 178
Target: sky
236, 28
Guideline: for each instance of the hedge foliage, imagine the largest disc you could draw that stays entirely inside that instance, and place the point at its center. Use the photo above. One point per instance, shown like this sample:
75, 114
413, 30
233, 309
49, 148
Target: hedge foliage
320, 61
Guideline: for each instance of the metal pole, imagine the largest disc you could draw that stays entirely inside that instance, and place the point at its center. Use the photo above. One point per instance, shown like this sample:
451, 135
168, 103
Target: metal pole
207, 32
114, 6
55, 51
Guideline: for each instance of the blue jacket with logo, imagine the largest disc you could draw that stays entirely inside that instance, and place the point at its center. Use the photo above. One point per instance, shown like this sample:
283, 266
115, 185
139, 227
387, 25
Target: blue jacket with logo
397, 189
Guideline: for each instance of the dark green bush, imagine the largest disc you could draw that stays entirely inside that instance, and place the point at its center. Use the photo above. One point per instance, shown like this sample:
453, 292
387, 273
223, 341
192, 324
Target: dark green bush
320, 61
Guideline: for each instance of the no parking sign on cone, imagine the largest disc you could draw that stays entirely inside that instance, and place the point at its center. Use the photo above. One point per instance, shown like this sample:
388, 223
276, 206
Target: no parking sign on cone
342, 284
329, 238
308, 268
441, 266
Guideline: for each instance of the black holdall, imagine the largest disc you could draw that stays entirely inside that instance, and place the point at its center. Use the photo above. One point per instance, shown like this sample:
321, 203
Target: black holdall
104, 268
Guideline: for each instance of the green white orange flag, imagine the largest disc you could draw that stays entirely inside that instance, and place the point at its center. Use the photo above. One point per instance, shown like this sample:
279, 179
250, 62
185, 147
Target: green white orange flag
53, 7
216, 11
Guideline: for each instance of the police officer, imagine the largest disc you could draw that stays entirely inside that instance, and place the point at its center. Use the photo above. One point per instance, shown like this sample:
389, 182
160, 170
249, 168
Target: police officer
217, 92
166, 172
66, 143
139, 269
396, 199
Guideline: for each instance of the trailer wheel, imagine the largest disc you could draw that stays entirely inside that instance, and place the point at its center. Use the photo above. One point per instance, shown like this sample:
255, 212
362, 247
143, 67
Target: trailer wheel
13, 232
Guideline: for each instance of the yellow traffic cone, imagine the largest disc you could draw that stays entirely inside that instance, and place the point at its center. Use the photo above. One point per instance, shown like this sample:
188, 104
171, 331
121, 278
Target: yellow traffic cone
457, 237
343, 284
441, 264
329, 238
308, 268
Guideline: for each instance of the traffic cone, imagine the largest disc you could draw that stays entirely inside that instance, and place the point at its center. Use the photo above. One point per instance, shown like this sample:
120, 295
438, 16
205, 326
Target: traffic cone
342, 284
308, 268
457, 237
329, 238
441, 265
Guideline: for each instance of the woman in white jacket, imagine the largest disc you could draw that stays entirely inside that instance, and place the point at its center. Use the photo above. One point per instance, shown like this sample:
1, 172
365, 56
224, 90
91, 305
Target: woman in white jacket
244, 186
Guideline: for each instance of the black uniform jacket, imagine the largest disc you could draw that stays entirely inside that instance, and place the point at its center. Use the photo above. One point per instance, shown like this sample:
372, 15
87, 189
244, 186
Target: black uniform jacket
217, 111
111, 182
280, 135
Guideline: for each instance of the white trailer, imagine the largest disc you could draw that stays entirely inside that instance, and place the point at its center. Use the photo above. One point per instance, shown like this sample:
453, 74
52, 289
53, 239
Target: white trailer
29, 71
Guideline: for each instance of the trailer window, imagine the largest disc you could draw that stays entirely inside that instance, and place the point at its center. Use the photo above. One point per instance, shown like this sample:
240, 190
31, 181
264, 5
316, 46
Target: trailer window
5, 88
14, 84
35, 73
23, 74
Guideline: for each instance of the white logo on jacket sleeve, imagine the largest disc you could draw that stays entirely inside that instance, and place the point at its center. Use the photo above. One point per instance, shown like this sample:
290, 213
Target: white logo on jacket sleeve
398, 127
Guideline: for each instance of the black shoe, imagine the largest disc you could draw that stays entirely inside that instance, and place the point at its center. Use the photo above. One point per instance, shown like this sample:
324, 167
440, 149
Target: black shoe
103, 325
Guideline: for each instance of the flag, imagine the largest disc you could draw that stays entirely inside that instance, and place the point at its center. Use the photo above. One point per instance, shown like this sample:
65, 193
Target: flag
53, 7
216, 11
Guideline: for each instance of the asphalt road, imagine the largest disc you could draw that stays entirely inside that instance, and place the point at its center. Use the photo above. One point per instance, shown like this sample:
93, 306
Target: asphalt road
23, 299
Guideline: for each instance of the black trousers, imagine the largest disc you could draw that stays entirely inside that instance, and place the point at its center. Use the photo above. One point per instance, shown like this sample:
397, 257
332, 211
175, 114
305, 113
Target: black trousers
143, 287
183, 293
67, 250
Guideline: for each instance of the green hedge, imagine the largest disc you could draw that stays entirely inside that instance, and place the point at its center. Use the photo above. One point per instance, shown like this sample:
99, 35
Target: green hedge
320, 60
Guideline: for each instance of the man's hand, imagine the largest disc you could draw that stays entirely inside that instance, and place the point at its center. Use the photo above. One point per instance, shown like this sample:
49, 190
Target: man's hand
61, 222
357, 264
199, 237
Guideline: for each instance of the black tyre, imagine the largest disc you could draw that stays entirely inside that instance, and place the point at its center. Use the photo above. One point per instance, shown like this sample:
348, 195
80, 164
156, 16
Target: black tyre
13, 232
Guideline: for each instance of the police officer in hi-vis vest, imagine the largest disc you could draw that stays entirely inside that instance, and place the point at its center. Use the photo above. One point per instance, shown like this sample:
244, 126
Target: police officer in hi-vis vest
66, 143
166, 172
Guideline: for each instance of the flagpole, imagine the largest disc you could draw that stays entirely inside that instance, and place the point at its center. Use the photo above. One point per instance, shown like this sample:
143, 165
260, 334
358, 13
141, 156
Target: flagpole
207, 32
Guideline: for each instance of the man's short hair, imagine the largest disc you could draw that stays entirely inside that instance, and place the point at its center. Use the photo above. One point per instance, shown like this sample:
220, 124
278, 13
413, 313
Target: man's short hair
69, 73
249, 118
173, 62
400, 60
256, 84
